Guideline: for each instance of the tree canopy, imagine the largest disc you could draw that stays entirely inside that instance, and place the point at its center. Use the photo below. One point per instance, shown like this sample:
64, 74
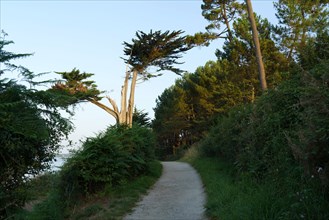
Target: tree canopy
155, 49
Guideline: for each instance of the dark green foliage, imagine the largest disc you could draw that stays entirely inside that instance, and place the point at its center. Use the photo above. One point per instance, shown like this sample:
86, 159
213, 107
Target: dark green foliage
284, 134
231, 196
75, 88
109, 159
299, 20
185, 111
239, 60
221, 13
141, 118
157, 49
113, 203
31, 129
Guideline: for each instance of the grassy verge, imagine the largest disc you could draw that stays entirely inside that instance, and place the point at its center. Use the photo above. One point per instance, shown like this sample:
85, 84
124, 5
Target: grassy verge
231, 196
113, 203
231, 199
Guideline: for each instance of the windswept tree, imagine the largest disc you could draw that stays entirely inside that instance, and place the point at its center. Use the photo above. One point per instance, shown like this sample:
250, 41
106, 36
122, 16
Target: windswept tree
156, 50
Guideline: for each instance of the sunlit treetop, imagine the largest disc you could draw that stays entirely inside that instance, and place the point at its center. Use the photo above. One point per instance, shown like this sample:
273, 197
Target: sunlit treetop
155, 49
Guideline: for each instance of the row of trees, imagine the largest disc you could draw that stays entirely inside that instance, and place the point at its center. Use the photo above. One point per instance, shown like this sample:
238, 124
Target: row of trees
281, 140
185, 111
276, 139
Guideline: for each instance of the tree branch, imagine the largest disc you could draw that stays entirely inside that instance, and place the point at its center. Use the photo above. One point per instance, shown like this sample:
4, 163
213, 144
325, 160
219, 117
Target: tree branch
107, 109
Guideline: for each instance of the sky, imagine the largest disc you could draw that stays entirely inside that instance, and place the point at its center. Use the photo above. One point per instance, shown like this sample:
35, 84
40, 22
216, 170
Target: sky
88, 35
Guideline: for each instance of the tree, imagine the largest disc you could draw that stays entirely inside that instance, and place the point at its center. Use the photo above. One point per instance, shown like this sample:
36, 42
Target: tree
219, 13
141, 118
155, 49
261, 70
239, 60
31, 128
184, 112
299, 21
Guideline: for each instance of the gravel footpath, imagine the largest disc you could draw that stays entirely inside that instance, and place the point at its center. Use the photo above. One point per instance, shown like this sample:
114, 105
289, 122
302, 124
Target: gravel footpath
177, 195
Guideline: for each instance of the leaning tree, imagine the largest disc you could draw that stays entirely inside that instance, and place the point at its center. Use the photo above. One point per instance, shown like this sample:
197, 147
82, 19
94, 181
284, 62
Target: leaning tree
155, 49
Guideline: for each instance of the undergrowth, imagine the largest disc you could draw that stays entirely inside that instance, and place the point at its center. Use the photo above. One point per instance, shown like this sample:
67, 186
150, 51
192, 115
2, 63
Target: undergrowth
232, 196
103, 179
112, 203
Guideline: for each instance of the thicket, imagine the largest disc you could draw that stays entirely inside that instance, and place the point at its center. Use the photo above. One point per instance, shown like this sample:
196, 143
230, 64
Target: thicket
283, 136
31, 129
108, 160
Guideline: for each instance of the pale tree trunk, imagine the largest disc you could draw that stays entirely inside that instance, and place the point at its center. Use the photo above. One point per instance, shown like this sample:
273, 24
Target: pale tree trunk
261, 69
132, 99
112, 112
123, 113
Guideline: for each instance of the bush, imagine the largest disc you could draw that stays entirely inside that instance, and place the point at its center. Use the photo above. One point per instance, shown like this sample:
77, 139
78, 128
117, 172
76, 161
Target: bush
113, 157
285, 131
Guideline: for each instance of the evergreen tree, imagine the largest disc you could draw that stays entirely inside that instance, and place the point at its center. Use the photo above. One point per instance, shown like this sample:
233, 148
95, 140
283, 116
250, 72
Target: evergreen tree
299, 21
155, 49
31, 128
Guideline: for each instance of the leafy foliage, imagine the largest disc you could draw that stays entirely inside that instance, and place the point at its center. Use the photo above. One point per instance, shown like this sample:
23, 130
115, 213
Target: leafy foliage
75, 85
185, 111
285, 131
141, 118
219, 12
31, 129
299, 21
107, 160
157, 49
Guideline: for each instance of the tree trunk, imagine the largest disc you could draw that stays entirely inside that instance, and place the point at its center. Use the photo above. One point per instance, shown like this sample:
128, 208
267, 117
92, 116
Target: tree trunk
261, 70
124, 89
107, 109
230, 35
132, 99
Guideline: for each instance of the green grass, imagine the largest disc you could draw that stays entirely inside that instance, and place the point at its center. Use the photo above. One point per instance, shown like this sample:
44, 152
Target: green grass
122, 199
228, 198
232, 196
42, 193
112, 203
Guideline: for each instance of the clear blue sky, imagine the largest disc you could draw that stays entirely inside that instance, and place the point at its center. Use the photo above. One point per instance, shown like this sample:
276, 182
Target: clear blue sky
88, 35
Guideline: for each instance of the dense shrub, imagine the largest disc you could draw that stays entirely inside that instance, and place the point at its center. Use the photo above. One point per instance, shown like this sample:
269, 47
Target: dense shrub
286, 129
281, 141
112, 157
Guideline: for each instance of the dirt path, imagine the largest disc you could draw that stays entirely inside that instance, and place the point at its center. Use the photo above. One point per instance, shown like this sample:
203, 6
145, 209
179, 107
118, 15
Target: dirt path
178, 195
